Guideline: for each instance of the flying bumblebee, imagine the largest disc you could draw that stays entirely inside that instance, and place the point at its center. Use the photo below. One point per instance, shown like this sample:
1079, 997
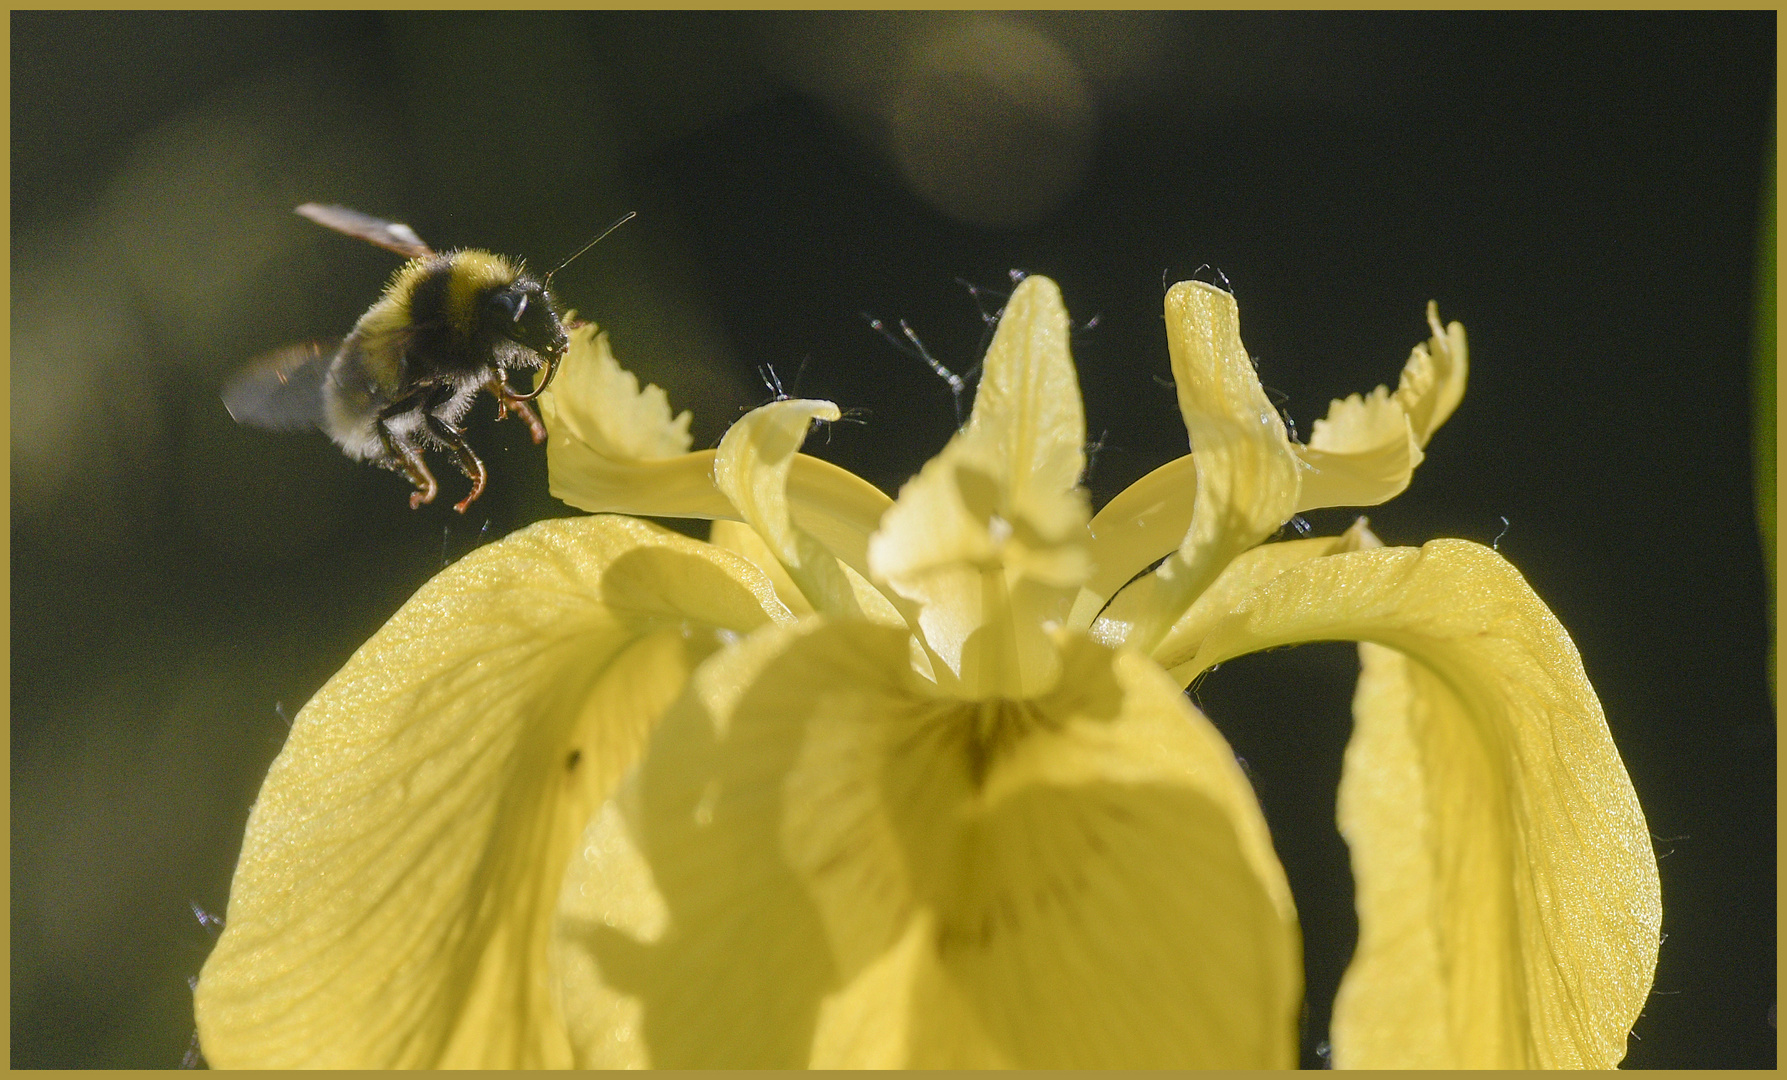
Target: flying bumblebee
448, 327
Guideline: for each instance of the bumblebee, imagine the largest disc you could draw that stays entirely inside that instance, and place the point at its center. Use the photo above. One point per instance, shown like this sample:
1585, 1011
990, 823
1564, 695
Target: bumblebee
448, 327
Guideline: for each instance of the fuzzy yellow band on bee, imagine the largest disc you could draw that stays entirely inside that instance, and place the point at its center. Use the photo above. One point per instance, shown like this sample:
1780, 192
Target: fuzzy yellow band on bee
391, 314
474, 273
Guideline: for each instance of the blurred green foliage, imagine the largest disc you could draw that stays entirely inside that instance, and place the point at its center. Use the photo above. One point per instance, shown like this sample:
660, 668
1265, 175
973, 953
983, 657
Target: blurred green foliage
1767, 366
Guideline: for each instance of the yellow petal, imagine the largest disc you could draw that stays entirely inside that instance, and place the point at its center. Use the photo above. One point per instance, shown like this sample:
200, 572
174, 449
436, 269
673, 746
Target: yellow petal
1433, 379
1507, 889
1395, 1006
1247, 572
1247, 474
822, 861
741, 539
613, 448
1027, 405
988, 540
1141, 523
752, 472
1361, 454
595, 401
836, 507
1364, 452
401, 864
681, 486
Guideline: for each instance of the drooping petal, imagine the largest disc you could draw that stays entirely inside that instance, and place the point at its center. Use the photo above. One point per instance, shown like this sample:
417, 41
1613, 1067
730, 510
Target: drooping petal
824, 861
1395, 1004
613, 448
988, 540
1247, 474
1367, 447
1506, 885
401, 865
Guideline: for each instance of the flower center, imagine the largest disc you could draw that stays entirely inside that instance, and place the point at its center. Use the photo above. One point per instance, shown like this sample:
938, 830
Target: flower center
995, 727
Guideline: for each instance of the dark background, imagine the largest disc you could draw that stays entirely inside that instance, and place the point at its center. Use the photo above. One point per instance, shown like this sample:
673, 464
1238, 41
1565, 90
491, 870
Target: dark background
1582, 191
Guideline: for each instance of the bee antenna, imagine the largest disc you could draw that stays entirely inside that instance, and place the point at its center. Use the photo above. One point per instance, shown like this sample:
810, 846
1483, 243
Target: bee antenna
624, 218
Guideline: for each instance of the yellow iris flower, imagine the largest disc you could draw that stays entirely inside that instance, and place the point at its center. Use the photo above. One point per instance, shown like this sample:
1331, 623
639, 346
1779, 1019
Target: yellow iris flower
913, 782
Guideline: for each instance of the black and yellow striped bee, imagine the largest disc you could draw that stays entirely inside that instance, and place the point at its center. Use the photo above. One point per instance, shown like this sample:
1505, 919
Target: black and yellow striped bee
449, 326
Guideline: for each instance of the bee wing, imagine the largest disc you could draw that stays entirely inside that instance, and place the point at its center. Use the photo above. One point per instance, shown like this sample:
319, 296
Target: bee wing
283, 390
386, 234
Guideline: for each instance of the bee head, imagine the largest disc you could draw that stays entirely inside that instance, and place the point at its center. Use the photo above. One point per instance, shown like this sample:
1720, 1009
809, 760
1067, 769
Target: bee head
523, 313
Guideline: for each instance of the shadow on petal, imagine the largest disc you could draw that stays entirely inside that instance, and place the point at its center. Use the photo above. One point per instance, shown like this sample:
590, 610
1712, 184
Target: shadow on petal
401, 869
852, 870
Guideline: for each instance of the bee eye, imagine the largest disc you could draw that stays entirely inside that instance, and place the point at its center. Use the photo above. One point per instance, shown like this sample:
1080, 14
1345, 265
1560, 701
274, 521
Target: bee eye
510, 303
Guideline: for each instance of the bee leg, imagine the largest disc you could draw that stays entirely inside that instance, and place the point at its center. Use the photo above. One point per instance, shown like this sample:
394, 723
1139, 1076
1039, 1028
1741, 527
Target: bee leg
417, 469
507, 402
408, 460
469, 462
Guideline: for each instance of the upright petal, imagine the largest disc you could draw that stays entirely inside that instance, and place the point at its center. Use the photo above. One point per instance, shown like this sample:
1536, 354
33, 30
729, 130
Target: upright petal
1433, 380
1364, 451
741, 539
1027, 406
1362, 454
988, 540
1507, 890
403, 860
1141, 523
752, 472
597, 402
613, 448
1247, 474
823, 861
